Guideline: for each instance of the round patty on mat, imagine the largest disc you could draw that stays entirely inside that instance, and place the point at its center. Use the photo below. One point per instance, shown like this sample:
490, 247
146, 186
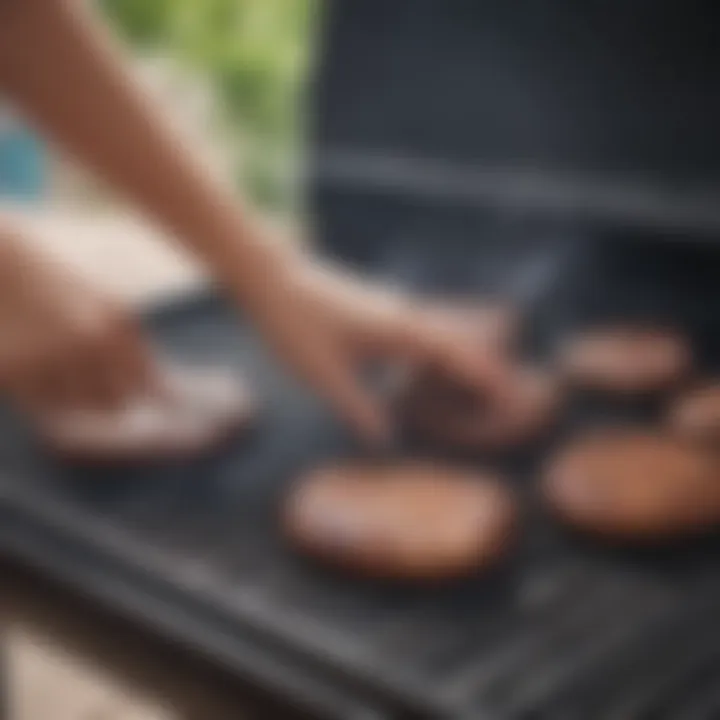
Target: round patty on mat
696, 415
634, 485
200, 408
626, 359
438, 411
410, 520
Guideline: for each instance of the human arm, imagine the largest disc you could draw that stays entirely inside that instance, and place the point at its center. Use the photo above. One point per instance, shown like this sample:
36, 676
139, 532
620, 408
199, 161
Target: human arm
63, 69
63, 342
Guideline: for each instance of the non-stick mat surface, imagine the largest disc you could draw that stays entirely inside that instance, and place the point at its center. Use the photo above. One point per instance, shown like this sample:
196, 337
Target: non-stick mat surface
566, 630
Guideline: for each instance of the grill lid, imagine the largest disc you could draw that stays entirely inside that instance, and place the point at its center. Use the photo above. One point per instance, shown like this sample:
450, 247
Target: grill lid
608, 108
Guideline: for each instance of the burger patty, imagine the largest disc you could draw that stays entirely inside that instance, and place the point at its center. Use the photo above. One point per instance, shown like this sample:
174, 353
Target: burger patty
626, 359
410, 520
199, 408
634, 485
436, 410
696, 415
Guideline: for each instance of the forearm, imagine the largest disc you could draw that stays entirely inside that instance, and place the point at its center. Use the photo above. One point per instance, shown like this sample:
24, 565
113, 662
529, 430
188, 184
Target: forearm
60, 66
15, 253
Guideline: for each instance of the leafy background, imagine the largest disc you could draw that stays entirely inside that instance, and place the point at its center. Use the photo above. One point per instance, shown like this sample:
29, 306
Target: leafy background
255, 54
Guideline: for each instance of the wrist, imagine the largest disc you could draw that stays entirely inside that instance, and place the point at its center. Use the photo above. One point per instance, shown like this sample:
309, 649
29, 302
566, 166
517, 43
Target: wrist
250, 261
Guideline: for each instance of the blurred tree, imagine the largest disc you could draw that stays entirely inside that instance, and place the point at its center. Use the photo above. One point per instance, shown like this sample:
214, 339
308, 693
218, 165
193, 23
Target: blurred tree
255, 52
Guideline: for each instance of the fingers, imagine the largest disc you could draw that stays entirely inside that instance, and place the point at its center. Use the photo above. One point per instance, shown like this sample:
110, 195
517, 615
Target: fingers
331, 372
117, 361
338, 382
419, 338
93, 366
133, 369
479, 367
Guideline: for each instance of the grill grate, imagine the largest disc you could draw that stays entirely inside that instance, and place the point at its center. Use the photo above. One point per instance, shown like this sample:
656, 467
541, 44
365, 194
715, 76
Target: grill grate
567, 631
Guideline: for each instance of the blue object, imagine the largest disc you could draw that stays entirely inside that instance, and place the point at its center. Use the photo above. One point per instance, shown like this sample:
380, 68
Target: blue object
23, 168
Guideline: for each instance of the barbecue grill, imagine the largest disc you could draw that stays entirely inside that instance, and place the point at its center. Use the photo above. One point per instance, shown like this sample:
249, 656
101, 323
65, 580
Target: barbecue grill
558, 155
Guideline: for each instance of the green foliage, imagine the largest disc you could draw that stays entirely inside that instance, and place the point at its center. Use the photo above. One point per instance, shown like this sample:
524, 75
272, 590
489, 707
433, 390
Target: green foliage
143, 22
255, 52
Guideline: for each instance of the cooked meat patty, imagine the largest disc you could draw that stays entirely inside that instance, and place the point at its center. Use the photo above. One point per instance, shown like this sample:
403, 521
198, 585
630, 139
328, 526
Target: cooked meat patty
626, 360
438, 411
201, 407
634, 485
696, 415
408, 520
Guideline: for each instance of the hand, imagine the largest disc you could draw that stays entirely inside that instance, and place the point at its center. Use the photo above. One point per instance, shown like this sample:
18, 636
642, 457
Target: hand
63, 344
324, 323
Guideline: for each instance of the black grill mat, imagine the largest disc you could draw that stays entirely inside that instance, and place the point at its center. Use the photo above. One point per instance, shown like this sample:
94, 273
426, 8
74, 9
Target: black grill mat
565, 630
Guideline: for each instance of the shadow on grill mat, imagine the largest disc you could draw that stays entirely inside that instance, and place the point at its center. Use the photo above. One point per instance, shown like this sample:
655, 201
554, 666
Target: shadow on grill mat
567, 630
